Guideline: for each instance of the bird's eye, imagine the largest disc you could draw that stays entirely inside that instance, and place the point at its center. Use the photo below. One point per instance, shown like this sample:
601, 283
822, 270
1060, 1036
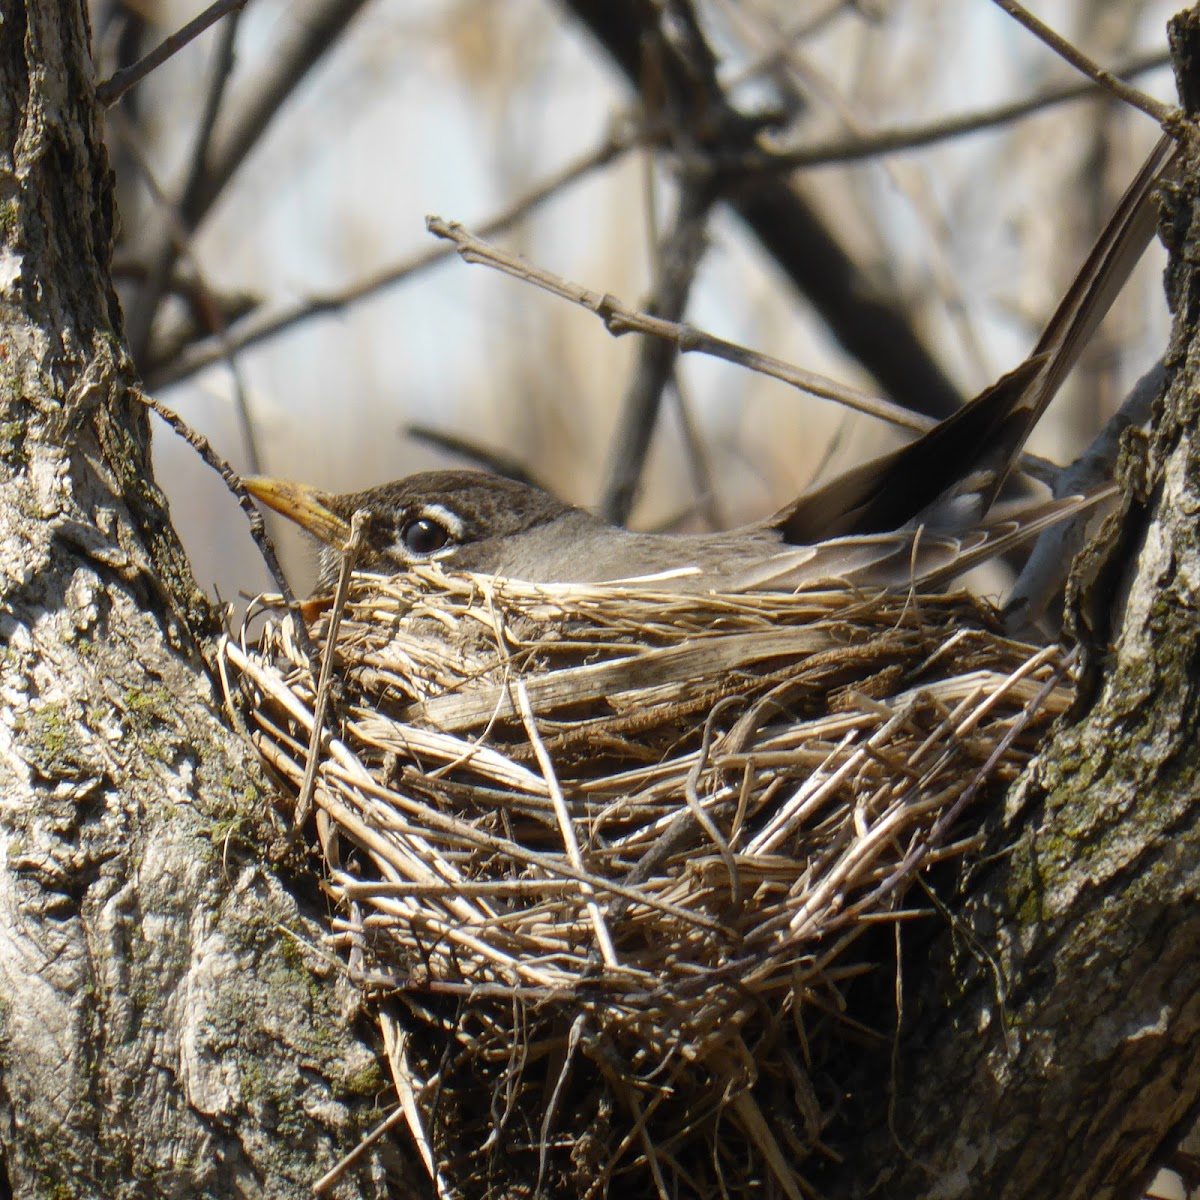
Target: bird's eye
423, 536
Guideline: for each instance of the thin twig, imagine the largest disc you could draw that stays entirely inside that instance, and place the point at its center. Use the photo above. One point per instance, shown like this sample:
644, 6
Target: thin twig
395, 1044
1080, 61
915, 186
947, 818
324, 21
844, 295
139, 321
889, 141
483, 456
258, 530
566, 826
325, 1183
696, 455
619, 319
113, 88
696, 808
678, 260
800, 29
325, 681
574, 1037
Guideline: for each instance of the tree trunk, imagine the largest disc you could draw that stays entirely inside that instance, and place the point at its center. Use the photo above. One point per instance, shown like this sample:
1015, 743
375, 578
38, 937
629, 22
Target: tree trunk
168, 1026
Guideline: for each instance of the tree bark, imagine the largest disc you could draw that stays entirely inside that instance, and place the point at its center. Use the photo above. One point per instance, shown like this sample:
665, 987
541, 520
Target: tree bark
168, 1027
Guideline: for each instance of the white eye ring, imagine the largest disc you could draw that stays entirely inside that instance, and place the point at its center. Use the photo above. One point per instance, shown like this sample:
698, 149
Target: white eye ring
450, 521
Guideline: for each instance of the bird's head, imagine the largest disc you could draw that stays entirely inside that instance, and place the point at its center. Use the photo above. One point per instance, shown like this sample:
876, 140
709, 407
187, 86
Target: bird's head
451, 517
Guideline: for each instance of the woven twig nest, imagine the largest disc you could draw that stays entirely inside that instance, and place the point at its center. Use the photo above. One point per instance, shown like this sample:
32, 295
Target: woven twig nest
610, 847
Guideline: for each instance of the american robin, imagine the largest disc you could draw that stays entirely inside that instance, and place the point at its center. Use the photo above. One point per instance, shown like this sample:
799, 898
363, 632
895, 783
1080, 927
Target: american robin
916, 515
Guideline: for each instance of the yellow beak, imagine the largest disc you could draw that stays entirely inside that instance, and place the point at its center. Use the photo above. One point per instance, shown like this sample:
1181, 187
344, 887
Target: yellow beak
305, 505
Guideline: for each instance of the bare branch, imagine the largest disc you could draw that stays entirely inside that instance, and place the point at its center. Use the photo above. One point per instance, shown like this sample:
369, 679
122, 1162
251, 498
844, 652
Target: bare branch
677, 263
802, 28
619, 319
177, 237
696, 454
1080, 61
878, 334
142, 310
484, 456
113, 88
889, 141
258, 528
323, 23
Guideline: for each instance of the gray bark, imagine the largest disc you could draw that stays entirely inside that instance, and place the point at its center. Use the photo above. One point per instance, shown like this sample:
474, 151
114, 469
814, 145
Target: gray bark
168, 1023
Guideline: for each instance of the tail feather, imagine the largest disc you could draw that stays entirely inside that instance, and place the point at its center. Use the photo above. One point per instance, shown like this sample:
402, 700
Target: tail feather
984, 438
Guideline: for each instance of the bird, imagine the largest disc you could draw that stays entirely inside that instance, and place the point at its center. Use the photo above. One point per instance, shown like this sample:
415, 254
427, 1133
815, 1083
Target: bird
919, 515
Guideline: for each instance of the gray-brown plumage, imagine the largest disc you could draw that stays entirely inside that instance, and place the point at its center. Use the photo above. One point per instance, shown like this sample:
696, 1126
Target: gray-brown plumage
470, 521
918, 515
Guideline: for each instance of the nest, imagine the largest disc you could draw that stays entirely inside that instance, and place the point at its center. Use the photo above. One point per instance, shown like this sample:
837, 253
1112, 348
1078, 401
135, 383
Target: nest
607, 851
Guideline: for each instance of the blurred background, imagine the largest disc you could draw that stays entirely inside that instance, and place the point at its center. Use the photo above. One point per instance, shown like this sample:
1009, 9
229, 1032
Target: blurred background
278, 170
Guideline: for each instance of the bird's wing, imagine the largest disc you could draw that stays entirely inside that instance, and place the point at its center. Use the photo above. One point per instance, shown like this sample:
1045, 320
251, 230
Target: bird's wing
913, 556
